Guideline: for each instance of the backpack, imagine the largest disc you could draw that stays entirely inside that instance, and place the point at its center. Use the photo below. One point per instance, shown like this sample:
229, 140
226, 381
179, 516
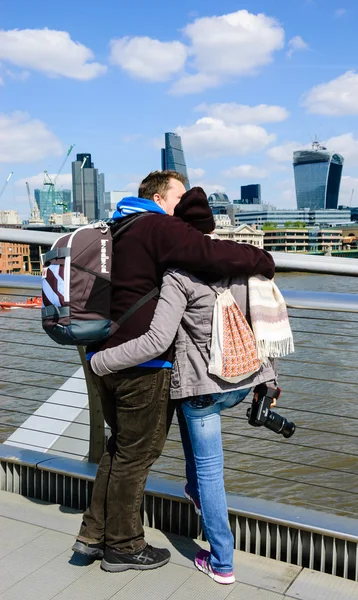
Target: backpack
233, 352
76, 284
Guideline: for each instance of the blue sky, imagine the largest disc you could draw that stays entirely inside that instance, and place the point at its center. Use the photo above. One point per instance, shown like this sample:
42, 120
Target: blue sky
244, 83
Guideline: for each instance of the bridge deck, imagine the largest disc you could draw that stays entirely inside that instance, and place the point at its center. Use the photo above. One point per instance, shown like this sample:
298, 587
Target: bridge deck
36, 563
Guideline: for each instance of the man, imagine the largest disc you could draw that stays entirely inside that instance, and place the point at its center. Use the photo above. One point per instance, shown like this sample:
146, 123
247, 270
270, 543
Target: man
136, 401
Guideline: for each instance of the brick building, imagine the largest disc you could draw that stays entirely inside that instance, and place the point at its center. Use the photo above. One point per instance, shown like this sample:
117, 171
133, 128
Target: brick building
14, 258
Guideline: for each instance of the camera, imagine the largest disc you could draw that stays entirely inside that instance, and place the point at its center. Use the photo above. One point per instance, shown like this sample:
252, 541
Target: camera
260, 414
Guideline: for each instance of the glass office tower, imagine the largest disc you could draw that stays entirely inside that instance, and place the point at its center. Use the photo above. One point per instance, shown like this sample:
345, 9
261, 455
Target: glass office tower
52, 202
87, 186
251, 194
318, 175
173, 156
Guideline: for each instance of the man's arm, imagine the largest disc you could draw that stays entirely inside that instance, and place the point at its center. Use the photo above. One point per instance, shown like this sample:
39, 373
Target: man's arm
180, 245
162, 331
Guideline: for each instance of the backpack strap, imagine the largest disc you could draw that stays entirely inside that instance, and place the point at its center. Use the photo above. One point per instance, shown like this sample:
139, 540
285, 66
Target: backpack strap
137, 305
55, 253
119, 228
116, 233
55, 311
215, 291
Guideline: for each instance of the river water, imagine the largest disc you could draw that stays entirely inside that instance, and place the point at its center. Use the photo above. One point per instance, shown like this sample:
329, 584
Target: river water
317, 467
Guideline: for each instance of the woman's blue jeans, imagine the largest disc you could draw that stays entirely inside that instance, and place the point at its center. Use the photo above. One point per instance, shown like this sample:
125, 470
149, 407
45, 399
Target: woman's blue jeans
204, 457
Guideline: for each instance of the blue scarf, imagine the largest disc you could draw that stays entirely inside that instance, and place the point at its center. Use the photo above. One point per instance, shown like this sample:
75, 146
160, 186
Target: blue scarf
132, 205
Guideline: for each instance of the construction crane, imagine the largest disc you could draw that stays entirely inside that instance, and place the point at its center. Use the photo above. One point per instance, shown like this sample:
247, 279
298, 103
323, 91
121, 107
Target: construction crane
52, 183
29, 195
5, 184
64, 162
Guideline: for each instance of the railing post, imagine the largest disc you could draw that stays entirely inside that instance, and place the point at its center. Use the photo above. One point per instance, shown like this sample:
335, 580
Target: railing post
97, 437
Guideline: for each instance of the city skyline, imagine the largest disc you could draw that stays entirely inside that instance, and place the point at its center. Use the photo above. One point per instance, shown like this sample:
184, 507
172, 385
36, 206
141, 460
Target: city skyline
115, 86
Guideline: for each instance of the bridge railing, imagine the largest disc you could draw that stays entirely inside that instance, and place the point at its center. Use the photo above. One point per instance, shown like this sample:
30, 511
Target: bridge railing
44, 406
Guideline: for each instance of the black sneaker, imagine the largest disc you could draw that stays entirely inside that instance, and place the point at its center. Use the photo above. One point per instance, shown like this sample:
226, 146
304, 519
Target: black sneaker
95, 551
148, 558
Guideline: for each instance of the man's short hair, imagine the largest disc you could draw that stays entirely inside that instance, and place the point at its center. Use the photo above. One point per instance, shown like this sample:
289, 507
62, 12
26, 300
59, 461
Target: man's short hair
158, 182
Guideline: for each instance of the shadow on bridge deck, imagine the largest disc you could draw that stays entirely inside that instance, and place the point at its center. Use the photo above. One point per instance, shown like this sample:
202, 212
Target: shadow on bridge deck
36, 563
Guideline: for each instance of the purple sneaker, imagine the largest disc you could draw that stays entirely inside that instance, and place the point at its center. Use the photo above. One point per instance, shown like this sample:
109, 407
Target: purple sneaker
202, 563
196, 503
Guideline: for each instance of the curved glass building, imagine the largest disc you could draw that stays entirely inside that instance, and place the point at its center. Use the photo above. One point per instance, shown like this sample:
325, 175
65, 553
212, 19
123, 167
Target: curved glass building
318, 175
173, 156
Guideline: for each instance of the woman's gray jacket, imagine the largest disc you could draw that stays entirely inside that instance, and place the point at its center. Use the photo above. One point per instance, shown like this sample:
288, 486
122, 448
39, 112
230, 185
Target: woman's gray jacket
185, 308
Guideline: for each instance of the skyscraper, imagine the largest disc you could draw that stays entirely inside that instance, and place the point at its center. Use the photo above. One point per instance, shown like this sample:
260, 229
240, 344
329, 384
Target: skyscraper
101, 195
251, 194
87, 185
52, 202
173, 156
318, 175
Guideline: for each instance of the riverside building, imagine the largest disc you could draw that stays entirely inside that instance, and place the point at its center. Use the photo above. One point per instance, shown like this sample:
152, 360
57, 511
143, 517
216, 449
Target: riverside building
303, 239
280, 217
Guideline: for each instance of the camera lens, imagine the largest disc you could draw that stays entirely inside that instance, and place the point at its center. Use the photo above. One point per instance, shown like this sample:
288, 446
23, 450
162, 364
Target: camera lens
288, 429
279, 424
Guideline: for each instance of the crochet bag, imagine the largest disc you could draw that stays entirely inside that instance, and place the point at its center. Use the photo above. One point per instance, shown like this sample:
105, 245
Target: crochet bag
233, 352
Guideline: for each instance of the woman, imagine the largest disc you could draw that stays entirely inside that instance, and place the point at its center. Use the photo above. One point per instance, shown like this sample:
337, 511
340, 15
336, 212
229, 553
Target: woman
185, 309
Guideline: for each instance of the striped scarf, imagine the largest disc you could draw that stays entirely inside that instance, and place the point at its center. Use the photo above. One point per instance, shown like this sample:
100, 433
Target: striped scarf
132, 205
269, 319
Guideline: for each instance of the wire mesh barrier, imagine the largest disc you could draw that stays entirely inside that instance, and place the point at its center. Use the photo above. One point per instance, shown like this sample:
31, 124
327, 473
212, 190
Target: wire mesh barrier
45, 415
316, 468
32, 370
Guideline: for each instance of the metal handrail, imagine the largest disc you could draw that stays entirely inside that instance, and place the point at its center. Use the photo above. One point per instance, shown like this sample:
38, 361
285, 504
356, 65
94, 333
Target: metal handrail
284, 261
327, 301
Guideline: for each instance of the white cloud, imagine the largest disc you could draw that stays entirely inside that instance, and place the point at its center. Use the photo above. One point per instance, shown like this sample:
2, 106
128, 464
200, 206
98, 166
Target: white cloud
234, 44
212, 137
337, 97
284, 152
219, 48
347, 145
286, 197
228, 46
296, 43
196, 173
49, 51
240, 113
348, 193
23, 139
64, 181
340, 12
17, 75
148, 59
193, 84
246, 172
211, 188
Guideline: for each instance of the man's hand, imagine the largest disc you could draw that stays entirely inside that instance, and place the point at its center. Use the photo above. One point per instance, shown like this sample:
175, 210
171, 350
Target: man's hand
273, 403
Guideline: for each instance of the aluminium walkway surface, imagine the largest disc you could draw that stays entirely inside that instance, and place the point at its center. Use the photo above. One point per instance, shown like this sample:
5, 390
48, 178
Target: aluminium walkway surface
36, 563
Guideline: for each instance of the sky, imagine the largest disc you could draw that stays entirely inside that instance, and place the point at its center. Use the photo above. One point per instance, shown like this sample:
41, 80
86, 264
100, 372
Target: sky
244, 83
